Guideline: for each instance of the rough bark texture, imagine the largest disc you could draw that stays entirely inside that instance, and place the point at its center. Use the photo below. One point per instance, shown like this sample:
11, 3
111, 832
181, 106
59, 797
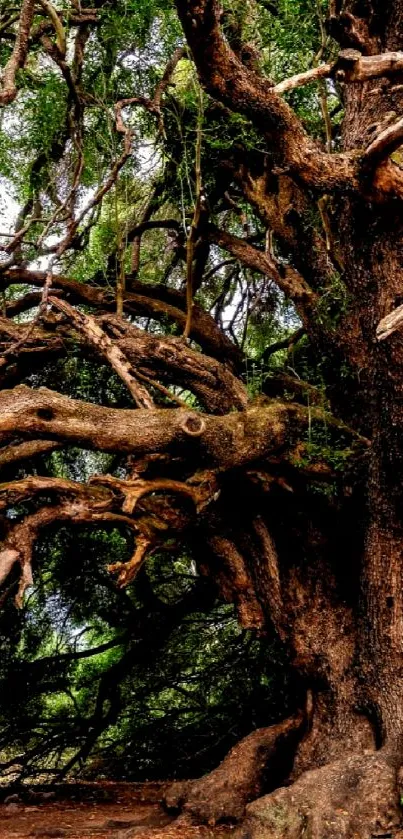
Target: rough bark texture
351, 798
258, 762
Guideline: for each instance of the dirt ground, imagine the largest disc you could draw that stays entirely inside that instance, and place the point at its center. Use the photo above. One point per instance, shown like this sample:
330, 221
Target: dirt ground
103, 810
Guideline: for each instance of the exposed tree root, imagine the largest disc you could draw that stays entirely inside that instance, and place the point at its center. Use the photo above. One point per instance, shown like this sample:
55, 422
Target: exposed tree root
257, 763
354, 798
181, 828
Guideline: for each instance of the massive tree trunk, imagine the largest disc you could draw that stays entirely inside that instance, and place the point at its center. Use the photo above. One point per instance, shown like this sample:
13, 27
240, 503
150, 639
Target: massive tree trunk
340, 618
341, 612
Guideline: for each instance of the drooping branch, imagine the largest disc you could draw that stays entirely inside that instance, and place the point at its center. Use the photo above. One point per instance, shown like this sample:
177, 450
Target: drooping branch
104, 499
18, 546
127, 571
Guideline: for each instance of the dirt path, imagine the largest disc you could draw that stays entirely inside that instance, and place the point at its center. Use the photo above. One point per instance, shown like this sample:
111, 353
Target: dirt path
98, 811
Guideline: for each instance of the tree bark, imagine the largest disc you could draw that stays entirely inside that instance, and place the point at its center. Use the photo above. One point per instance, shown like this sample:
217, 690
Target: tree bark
259, 761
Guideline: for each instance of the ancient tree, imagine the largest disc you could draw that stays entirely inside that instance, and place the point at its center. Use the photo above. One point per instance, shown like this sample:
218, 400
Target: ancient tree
170, 189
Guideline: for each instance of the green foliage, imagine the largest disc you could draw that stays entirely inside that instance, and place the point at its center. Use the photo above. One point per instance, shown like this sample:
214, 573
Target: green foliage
160, 702
333, 301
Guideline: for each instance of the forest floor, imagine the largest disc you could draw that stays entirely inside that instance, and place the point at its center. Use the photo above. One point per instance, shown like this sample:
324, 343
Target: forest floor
99, 810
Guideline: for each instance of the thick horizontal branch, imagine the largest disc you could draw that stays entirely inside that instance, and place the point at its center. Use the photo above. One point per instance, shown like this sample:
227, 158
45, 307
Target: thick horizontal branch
350, 66
26, 451
153, 358
13, 492
142, 431
222, 442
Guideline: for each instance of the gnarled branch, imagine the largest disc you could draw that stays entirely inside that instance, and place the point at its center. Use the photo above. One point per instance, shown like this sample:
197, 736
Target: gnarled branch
17, 60
224, 442
228, 80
